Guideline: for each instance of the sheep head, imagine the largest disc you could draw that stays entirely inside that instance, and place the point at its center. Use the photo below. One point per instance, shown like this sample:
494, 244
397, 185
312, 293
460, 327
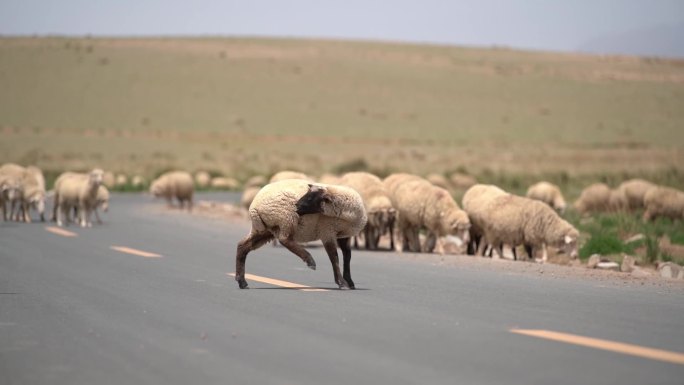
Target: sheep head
96, 177
314, 201
568, 243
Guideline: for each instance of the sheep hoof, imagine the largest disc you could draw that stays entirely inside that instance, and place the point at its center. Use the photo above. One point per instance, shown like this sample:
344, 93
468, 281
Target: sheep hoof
311, 264
243, 284
342, 283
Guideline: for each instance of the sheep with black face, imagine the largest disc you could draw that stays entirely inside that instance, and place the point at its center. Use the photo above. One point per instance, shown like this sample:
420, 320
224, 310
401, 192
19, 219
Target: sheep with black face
294, 211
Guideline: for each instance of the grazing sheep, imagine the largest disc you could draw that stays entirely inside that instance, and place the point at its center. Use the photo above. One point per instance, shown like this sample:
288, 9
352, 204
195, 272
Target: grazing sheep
283, 175
174, 184
514, 220
392, 181
137, 181
617, 200
634, 190
256, 181
294, 211
224, 183
328, 178
548, 193
476, 202
248, 196
439, 180
462, 181
663, 201
121, 180
202, 179
594, 198
420, 205
109, 180
381, 213
78, 192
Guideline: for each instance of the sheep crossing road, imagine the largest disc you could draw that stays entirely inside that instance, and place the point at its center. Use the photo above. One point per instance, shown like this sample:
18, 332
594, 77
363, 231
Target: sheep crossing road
96, 308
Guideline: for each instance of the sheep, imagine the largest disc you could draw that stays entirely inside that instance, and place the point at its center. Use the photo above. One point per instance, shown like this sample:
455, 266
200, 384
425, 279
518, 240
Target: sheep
462, 181
634, 191
256, 181
420, 204
202, 179
10, 189
15, 173
663, 201
137, 181
282, 175
102, 201
78, 191
121, 180
617, 200
328, 178
548, 193
515, 220
224, 183
55, 188
439, 180
391, 183
594, 198
381, 213
248, 196
476, 202
174, 184
109, 180
31, 193
294, 211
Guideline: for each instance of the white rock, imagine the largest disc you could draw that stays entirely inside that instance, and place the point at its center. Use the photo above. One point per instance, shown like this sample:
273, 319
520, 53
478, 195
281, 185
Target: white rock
608, 266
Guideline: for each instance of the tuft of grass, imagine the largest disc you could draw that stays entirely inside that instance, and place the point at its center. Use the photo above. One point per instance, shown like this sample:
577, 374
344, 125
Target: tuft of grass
604, 244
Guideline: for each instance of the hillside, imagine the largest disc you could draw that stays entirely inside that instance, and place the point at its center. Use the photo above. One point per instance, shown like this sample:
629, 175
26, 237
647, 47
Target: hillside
244, 106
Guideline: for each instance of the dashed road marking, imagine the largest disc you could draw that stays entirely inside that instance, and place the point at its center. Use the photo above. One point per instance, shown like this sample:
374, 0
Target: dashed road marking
277, 282
62, 232
140, 253
617, 347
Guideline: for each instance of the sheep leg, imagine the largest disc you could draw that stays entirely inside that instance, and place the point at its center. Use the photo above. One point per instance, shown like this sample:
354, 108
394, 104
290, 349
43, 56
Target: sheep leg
430, 243
391, 235
252, 242
299, 251
528, 249
97, 217
331, 249
25, 212
343, 243
55, 207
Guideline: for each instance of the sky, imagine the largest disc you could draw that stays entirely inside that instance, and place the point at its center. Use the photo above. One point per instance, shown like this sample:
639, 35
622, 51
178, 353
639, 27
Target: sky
556, 25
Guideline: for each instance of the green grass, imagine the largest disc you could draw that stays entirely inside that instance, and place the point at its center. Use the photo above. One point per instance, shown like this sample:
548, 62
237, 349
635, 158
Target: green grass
606, 234
256, 106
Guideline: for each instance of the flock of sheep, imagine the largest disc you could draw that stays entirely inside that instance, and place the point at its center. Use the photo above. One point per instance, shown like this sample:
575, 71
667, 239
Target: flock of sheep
292, 208
22, 189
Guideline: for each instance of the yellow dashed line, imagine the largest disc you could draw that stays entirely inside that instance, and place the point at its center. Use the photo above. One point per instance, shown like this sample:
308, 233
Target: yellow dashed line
277, 282
62, 232
617, 347
140, 253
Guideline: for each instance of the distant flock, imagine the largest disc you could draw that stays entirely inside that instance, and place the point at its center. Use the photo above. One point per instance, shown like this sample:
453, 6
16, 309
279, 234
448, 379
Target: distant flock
407, 212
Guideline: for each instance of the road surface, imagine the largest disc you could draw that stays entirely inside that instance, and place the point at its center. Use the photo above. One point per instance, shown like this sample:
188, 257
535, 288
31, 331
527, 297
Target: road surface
146, 298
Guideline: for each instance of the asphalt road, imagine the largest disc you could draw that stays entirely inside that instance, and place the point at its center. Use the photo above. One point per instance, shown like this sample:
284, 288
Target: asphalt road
75, 311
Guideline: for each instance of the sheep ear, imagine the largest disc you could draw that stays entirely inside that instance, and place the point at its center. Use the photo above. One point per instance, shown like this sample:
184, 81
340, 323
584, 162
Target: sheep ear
568, 239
